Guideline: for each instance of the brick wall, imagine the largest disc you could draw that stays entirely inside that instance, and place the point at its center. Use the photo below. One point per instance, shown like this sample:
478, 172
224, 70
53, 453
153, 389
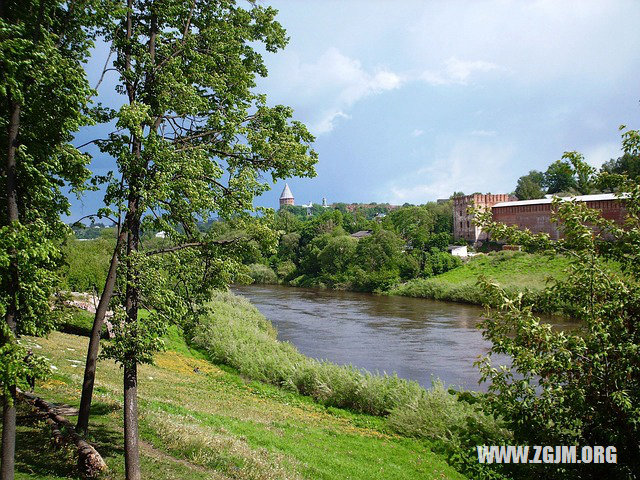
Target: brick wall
537, 218
463, 227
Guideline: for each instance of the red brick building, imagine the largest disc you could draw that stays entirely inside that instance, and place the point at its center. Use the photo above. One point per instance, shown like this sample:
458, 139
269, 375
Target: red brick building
532, 214
463, 226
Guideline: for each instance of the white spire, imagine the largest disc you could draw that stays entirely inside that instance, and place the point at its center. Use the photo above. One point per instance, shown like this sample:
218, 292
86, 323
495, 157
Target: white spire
286, 192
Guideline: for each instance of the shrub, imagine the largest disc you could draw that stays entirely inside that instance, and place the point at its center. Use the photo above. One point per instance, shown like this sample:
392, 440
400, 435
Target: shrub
575, 387
76, 322
375, 281
262, 274
438, 262
286, 269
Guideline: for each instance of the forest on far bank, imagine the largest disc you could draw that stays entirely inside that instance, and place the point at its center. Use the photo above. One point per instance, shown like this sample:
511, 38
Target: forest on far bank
319, 250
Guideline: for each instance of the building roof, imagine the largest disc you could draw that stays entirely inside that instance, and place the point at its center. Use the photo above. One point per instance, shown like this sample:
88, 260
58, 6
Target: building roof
286, 192
362, 233
542, 201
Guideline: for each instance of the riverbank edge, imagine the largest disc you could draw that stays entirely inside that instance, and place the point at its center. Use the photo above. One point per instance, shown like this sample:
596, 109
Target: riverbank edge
428, 289
519, 273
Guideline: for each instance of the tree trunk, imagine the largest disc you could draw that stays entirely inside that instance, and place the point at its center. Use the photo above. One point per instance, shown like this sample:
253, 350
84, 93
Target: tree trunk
9, 409
131, 451
9, 434
94, 342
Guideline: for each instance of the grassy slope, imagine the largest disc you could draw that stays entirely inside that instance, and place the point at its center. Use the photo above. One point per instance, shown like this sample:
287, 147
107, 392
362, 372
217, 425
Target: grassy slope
513, 270
213, 424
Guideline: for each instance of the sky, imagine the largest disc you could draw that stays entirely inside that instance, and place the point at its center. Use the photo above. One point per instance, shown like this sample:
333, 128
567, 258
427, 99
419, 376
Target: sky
413, 100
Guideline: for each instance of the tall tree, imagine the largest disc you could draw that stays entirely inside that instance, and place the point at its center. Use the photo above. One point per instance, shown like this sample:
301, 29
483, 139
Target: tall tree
559, 178
628, 164
193, 141
44, 90
530, 186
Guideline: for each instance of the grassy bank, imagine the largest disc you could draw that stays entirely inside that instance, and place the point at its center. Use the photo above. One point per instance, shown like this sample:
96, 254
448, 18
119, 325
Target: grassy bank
515, 271
199, 421
237, 334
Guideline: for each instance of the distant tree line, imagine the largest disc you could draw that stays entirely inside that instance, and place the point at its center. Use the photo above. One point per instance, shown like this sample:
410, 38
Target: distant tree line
321, 250
571, 176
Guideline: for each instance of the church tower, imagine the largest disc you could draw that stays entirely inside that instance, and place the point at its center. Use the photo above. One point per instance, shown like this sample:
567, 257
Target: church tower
286, 197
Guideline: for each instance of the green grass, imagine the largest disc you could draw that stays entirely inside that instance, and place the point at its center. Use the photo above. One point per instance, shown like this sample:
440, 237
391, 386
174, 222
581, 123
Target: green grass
515, 271
200, 421
238, 335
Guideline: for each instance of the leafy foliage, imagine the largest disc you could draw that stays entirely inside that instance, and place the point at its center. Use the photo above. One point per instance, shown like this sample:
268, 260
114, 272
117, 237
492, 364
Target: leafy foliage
193, 142
409, 242
530, 186
559, 178
44, 96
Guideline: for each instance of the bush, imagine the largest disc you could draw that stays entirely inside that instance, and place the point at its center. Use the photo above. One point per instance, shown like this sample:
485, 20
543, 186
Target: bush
375, 281
456, 425
286, 269
78, 322
438, 262
575, 387
262, 274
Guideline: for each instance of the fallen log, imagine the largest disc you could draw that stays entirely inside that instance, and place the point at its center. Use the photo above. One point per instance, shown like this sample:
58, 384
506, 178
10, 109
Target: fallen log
90, 462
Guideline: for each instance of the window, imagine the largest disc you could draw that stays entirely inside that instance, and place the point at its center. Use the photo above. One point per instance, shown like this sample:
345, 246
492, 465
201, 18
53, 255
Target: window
467, 223
460, 223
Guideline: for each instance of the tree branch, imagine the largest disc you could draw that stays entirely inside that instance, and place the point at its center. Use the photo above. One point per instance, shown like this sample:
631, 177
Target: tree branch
184, 246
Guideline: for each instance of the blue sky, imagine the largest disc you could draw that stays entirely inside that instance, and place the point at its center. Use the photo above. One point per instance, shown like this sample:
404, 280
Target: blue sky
413, 100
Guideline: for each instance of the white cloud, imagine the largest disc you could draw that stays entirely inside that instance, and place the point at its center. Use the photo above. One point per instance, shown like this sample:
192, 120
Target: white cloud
456, 71
469, 166
417, 132
328, 121
483, 133
330, 85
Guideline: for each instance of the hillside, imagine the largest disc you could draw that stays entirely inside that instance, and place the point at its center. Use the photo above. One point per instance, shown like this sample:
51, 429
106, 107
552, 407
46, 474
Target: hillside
513, 270
200, 421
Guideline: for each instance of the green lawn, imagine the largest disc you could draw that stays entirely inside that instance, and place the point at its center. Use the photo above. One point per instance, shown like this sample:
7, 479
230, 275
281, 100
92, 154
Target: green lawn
512, 270
201, 421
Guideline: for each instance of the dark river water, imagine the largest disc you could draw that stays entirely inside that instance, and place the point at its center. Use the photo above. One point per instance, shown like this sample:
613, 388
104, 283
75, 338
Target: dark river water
418, 339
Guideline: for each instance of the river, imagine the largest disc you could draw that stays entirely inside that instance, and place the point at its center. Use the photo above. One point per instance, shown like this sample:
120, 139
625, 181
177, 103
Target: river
416, 338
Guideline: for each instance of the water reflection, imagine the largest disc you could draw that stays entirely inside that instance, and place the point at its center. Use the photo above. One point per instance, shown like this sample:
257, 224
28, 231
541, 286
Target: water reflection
416, 338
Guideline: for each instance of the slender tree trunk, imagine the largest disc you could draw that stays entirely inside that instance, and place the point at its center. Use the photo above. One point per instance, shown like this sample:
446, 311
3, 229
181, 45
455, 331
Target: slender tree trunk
9, 409
9, 434
94, 342
132, 226
131, 450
